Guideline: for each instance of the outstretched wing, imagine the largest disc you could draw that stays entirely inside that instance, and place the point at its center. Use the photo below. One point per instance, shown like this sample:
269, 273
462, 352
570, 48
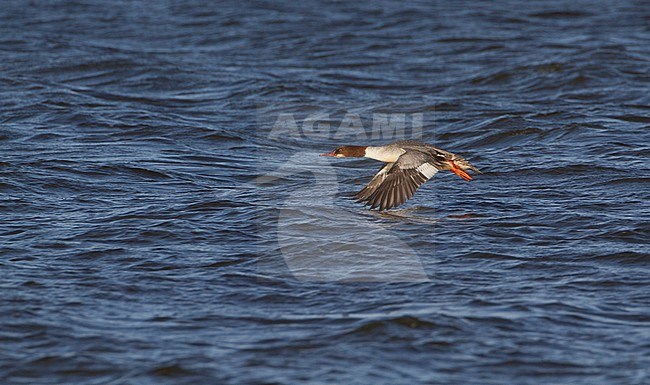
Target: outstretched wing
375, 182
396, 182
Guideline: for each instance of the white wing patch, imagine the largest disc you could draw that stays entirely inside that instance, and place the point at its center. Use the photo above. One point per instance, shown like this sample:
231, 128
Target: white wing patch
427, 170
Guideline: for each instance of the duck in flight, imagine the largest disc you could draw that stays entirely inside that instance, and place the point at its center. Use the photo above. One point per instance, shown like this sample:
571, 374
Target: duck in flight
407, 165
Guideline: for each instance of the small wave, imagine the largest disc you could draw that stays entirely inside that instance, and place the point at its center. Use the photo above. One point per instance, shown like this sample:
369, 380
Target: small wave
561, 15
171, 370
492, 256
631, 118
407, 322
141, 172
624, 257
623, 181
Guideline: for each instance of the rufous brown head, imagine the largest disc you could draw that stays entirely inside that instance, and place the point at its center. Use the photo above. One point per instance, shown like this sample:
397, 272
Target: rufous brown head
348, 152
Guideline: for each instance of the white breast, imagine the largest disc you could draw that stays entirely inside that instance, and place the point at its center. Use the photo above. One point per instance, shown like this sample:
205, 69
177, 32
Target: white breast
384, 154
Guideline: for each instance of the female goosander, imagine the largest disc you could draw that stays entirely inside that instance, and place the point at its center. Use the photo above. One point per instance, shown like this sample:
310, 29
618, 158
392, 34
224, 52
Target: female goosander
408, 164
